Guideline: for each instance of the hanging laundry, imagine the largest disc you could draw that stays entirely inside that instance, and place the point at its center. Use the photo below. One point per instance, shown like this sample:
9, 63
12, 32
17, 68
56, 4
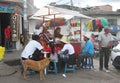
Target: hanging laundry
94, 24
85, 26
78, 24
98, 23
90, 26
104, 22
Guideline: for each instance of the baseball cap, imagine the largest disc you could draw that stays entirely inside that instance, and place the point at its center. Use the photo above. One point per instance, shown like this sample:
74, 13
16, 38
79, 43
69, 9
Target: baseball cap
87, 35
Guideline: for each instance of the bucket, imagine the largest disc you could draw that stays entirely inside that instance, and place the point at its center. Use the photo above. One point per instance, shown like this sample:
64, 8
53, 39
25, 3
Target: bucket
2, 52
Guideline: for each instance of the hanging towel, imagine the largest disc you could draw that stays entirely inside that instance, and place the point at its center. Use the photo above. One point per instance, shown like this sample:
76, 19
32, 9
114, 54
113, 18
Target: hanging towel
90, 27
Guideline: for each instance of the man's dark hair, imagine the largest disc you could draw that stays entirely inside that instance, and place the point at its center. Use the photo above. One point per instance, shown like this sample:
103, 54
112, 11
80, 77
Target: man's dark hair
58, 28
35, 37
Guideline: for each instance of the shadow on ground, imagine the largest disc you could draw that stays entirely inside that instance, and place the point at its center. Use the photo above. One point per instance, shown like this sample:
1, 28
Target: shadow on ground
13, 62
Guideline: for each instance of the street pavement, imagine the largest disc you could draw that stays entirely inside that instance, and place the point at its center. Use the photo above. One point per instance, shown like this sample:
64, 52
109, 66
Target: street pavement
10, 73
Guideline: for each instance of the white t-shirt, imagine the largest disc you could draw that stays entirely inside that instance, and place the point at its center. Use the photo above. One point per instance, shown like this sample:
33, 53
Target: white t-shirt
30, 48
68, 47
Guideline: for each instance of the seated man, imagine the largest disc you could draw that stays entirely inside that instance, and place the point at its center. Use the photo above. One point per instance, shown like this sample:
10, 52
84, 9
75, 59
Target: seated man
71, 60
88, 51
33, 49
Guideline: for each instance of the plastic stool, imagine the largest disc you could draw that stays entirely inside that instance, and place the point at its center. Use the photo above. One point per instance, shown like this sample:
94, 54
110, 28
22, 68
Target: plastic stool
89, 62
54, 68
69, 68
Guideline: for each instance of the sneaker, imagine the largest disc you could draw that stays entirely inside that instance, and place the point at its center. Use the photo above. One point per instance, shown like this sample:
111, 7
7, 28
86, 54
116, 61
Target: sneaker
64, 75
83, 67
107, 70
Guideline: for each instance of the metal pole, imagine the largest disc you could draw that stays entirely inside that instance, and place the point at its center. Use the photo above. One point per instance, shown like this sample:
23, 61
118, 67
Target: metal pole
80, 30
25, 21
71, 4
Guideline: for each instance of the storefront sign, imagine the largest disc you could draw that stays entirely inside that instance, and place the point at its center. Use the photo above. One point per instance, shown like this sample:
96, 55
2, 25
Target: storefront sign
10, 8
6, 7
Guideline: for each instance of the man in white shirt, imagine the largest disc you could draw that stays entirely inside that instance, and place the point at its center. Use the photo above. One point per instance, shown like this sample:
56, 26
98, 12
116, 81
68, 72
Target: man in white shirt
69, 47
105, 44
71, 52
32, 49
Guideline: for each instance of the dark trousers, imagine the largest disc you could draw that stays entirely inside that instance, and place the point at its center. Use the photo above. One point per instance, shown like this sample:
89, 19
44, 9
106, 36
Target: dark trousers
7, 43
104, 57
82, 59
61, 62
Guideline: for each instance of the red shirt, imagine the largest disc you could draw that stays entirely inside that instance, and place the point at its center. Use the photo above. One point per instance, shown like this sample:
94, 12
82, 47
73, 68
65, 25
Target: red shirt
7, 33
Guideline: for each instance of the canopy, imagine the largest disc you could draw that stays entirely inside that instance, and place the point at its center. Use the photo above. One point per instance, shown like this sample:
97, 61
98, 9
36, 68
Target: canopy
50, 12
45, 11
69, 12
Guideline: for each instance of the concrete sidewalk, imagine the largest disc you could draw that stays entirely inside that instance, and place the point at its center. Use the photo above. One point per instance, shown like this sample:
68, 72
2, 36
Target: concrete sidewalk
11, 73
11, 58
12, 55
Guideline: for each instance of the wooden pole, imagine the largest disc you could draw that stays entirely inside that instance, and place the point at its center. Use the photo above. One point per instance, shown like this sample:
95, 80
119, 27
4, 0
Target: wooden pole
80, 30
54, 29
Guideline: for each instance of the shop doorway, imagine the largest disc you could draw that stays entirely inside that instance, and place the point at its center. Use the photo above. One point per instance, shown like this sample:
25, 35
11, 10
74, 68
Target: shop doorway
4, 21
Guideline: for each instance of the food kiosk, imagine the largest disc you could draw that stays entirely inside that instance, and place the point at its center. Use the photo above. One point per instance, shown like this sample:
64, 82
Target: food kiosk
74, 28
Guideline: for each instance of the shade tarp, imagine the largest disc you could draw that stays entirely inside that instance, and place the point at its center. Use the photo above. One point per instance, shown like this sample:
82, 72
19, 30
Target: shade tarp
67, 17
60, 16
37, 18
45, 11
48, 16
69, 12
49, 12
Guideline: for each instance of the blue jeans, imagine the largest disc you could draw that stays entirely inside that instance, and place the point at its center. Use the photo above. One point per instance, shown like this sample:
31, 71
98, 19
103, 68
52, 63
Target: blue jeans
82, 61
